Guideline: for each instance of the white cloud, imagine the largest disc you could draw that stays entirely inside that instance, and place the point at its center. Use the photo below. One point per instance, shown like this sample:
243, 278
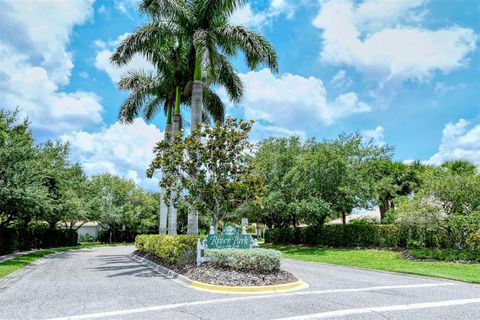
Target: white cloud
102, 60
292, 101
124, 150
384, 39
443, 88
248, 17
341, 80
377, 135
460, 140
41, 30
262, 131
35, 64
126, 7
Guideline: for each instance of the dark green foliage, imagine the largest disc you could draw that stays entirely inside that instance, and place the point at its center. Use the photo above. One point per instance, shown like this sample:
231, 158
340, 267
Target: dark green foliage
114, 235
42, 193
473, 241
257, 260
219, 158
445, 254
312, 181
35, 237
175, 251
355, 235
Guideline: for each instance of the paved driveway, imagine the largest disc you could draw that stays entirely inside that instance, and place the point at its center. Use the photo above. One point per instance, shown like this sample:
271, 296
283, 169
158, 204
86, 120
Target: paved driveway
104, 283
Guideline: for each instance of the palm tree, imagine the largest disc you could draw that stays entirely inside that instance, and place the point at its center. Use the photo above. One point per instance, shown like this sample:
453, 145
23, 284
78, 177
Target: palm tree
204, 26
149, 90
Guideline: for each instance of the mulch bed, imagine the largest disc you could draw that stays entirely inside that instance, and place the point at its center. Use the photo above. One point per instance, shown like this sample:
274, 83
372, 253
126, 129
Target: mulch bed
225, 277
228, 277
407, 256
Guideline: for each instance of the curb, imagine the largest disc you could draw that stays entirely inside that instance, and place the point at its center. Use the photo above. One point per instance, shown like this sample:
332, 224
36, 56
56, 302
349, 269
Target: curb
286, 287
187, 282
170, 274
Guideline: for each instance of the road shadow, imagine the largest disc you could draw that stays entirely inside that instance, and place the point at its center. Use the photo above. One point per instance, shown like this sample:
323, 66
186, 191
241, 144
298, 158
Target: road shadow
122, 265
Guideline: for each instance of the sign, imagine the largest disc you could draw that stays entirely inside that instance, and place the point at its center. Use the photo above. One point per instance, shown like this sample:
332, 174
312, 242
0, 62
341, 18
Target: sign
229, 238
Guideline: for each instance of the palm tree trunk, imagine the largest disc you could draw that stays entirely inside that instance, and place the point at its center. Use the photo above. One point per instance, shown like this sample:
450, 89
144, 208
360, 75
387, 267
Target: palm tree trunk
177, 117
197, 95
177, 121
197, 110
164, 209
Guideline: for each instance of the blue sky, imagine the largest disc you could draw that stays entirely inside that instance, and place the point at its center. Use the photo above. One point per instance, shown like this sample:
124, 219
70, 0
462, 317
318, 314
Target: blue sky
405, 73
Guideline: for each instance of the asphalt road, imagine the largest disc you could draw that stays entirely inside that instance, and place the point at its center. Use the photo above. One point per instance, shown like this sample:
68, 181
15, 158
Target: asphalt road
104, 283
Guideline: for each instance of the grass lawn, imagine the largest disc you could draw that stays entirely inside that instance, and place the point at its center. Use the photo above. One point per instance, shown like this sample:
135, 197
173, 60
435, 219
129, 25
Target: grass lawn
14, 264
382, 260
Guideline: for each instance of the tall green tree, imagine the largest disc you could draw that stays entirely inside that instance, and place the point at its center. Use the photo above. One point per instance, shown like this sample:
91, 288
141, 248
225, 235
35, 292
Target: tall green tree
274, 159
204, 25
223, 182
121, 205
22, 192
460, 167
394, 179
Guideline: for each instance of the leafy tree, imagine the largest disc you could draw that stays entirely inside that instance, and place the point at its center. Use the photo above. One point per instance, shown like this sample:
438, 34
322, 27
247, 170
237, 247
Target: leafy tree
448, 202
204, 26
274, 159
209, 171
333, 177
121, 205
80, 199
56, 173
455, 193
394, 179
460, 167
22, 192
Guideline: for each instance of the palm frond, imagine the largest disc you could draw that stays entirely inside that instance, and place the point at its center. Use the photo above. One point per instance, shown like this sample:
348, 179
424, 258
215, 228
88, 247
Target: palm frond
136, 79
208, 9
131, 107
213, 104
256, 48
152, 107
143, 40
229, 79
158, 9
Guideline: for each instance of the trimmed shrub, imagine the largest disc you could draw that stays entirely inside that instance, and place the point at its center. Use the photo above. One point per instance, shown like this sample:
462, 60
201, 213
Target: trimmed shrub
445, 254
35, 237
473, 241
257, 260
356, 235
174, 251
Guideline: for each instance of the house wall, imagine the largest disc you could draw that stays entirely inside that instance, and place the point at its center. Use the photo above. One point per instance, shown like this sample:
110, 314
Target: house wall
91, 230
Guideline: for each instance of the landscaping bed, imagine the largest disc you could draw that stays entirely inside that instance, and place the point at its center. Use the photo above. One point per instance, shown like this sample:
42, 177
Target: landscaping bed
432, 254
223, 276
226, 267
229, 277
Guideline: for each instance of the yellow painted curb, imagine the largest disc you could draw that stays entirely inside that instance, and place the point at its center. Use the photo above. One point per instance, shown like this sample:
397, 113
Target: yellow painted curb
293, 286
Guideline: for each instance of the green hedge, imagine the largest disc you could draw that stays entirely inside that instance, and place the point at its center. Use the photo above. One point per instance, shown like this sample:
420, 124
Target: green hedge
445, 254
35, 237
173, 250
353, 235
258, 260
